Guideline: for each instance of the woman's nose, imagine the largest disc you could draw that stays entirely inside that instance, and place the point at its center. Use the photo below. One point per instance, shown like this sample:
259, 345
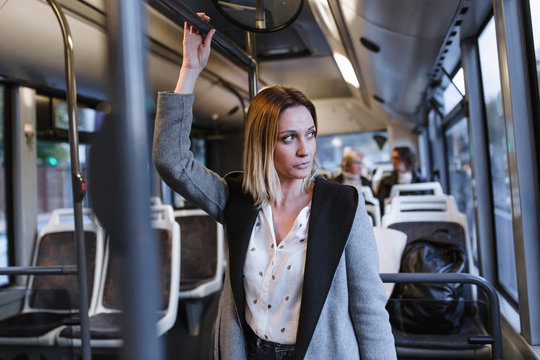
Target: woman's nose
303, 149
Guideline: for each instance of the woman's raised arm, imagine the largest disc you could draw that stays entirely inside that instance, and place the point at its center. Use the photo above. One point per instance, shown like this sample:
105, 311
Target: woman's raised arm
171, 150
195, 56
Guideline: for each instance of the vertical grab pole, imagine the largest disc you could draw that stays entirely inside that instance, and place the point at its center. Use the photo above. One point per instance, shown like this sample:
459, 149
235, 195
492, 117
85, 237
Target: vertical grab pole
123, 200
77, 178
251, 49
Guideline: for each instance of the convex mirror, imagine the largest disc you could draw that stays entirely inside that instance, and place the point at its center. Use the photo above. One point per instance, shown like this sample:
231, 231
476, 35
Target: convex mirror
260, 15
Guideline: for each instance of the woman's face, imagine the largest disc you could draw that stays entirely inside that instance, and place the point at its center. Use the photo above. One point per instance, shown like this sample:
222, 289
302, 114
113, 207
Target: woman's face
398, 164
355, 167
296, 146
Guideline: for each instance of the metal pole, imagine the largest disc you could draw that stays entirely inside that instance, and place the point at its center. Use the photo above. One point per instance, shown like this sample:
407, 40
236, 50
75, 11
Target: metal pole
260, 19
39, 270
123, 191
181, 12
251, 49
77, 179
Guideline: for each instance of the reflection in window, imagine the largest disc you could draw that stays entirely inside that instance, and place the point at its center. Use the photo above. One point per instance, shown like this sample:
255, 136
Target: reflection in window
459, 173
54, 177
88, 119
372, 144
498, 149
535, 19
454, 92
3, 223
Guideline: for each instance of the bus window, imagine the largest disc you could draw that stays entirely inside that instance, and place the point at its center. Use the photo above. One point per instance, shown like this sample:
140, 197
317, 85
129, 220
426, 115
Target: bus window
535, 20
54, 177
500, 181
372, 145
454, 91
87, 118
459, 173
53, 154
3, 223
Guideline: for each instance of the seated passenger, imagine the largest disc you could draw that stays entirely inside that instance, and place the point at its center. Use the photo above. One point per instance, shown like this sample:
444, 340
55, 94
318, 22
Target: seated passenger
404, 162
351, 173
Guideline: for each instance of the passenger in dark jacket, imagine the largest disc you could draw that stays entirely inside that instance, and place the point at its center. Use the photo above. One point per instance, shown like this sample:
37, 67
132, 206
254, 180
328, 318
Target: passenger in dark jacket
404, 162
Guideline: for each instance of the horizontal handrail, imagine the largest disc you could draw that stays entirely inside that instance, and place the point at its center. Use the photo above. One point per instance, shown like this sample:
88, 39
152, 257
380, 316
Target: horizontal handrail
181, 12
39, 270
494, 311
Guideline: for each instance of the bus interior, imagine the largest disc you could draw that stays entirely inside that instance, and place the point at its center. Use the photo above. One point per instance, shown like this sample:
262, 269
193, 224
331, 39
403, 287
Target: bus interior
456, 81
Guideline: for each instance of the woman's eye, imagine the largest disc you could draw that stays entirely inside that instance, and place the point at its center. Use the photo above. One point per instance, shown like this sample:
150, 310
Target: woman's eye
311, 134
287, 139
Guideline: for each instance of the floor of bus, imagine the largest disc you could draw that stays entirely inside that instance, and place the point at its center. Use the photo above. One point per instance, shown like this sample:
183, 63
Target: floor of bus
177, 342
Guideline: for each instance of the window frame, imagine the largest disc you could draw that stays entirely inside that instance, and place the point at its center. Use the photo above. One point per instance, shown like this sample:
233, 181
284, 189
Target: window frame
8, 163
514, 39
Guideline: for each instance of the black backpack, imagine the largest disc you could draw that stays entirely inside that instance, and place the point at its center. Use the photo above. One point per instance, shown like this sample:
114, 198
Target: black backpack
429, 308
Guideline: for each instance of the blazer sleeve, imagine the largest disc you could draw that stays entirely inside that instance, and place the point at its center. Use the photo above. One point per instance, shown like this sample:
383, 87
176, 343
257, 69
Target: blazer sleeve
174, 160
367, 297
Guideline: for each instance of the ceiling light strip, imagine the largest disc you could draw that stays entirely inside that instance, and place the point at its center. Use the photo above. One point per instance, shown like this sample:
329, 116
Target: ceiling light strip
346, 40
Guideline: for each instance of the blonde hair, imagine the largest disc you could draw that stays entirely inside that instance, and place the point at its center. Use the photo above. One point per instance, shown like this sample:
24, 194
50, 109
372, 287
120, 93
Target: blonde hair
349, 156
261, 180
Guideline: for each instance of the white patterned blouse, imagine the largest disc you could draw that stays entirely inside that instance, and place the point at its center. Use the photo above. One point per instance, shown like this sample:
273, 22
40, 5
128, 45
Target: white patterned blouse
273, 277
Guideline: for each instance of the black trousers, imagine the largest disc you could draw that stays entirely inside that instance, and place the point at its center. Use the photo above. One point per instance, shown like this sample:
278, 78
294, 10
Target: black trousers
259, 349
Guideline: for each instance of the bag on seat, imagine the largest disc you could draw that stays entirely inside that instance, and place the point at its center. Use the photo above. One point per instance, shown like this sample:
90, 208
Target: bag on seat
429, 308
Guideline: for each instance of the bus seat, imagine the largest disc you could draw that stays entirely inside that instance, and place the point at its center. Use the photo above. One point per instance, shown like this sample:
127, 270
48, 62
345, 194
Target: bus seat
52, 300
479, 336
203, 261
380, 171
105, 324
390, 246
425, 188
372, 205
421, 215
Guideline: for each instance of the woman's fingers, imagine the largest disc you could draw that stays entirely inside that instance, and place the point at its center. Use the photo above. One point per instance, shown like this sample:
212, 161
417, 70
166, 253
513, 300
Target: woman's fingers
204, 16
208, 38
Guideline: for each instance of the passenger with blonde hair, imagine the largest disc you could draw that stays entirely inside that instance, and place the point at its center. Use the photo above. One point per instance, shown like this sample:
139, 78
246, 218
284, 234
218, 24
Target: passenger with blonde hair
302, 279
351, 169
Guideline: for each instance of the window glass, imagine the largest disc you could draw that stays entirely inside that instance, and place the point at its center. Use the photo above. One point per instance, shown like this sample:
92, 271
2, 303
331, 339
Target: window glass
498, 149
54, 177
454, 91
198, 148
373, 145
459, 173
3, 223
535, 19
88, 119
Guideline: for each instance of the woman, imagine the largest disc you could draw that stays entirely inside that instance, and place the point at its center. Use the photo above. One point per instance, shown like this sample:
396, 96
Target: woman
302, 278
351, 173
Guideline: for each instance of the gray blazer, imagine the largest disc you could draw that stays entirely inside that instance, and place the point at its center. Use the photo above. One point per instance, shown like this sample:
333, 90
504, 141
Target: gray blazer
342, 314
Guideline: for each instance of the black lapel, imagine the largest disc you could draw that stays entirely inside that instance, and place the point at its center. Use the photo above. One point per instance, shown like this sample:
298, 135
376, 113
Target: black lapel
240, 215
333, 208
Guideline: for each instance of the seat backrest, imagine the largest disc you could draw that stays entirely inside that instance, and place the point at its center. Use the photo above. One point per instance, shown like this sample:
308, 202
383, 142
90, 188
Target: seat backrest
380, 172
421, 215
203, 257
55, 245
429, 188
425, 188
167, 235
372, 205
